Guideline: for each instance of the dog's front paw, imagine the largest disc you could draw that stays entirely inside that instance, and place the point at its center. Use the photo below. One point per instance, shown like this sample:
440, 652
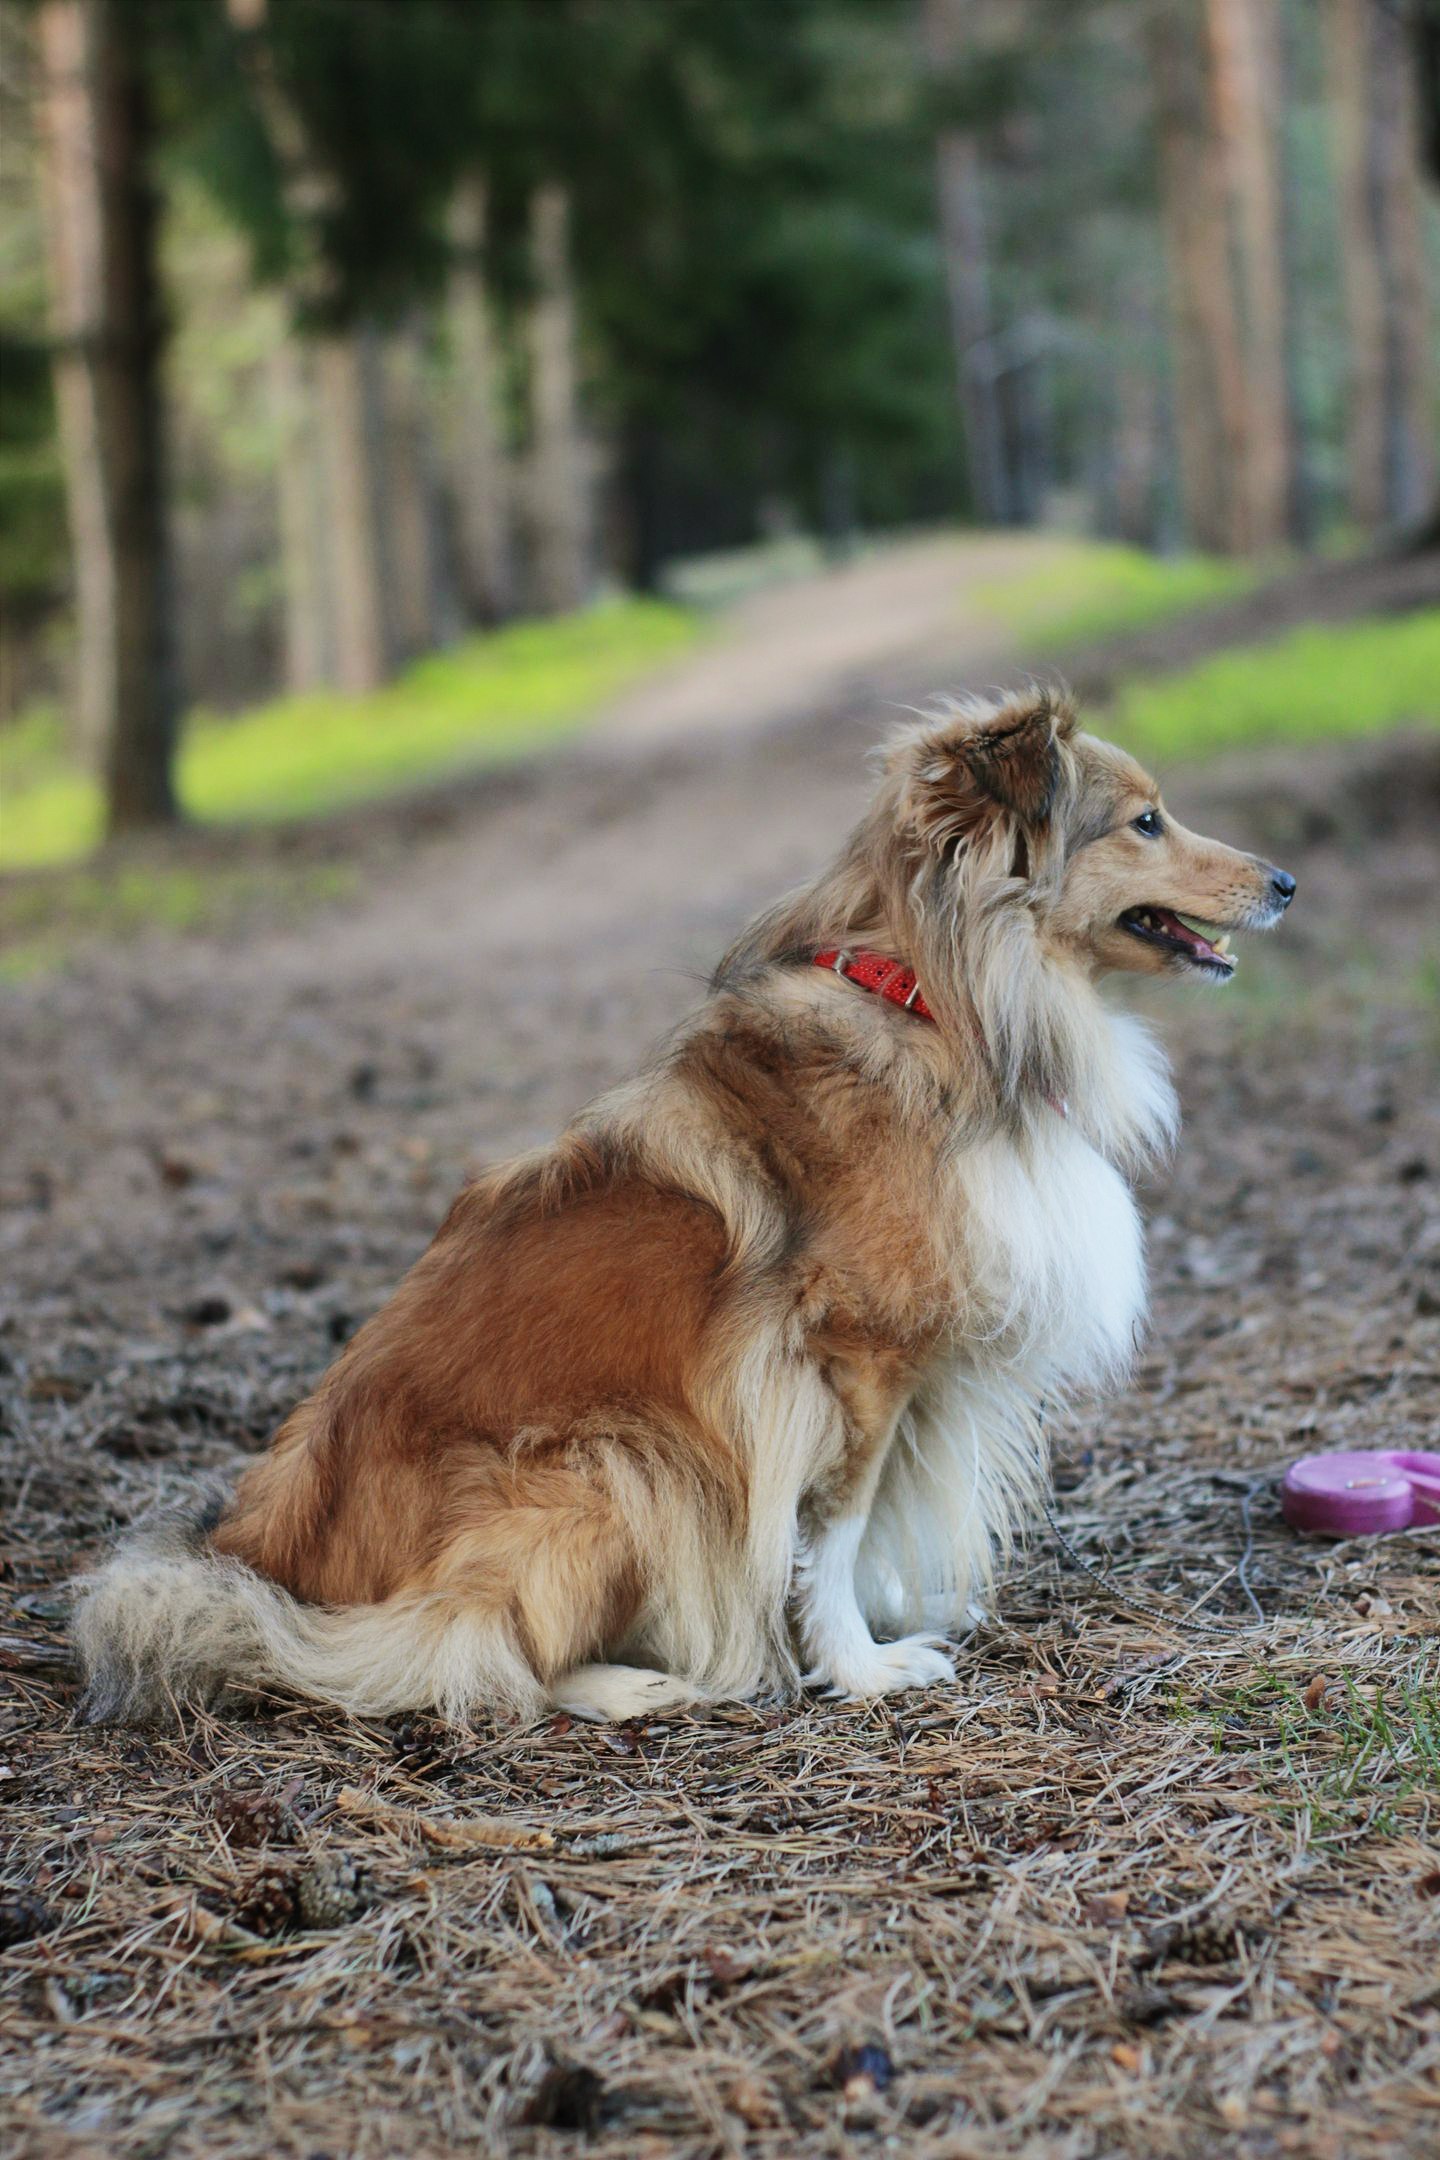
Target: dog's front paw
885, 1668
940, 1614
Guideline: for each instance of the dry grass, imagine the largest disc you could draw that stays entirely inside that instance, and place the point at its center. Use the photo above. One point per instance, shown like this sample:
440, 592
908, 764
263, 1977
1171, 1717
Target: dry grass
1111, 1894
1118, 1892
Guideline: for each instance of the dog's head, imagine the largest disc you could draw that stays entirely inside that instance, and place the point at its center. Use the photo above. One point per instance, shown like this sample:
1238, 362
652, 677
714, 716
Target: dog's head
1013, 862
1006, 811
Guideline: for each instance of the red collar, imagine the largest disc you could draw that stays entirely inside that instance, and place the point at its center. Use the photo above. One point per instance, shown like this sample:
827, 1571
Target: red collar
898, 985
887, 978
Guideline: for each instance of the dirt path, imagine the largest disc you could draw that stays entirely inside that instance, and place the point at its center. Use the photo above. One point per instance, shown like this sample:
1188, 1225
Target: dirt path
580, 898
216, 1159
913, 612
649, 827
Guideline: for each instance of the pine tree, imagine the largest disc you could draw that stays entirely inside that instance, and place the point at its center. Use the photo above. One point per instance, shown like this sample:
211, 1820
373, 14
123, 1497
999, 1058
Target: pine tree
1210, 383
967, 277
558, 505
100, 219
1372, 63
483, 482
343, 363
308, 605
1247, 71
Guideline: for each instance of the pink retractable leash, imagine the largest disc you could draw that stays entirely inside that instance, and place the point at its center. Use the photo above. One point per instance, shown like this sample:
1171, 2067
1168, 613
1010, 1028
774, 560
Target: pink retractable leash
1361, 1493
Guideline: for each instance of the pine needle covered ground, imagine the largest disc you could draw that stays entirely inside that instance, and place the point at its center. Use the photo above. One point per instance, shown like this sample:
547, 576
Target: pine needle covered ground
1119, 1891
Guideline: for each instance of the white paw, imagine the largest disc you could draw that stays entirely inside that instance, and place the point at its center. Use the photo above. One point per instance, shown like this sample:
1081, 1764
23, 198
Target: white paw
612, 1694
940, 1613
885, 1668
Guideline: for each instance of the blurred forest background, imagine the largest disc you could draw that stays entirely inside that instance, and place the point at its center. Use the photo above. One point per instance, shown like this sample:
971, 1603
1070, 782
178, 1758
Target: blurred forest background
336, 334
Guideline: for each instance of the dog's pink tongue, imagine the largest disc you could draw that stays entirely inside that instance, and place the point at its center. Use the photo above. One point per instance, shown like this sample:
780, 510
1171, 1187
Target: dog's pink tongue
1173, 927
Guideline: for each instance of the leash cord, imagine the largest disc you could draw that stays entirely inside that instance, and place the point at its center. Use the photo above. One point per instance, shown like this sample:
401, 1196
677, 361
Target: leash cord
1122, 1597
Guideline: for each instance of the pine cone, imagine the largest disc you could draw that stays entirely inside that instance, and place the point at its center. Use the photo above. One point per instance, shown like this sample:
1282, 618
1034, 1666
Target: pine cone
22, 1918
254, 1818
861, 2071
423, 1747
267, 1903
1208, 1942
329, 1890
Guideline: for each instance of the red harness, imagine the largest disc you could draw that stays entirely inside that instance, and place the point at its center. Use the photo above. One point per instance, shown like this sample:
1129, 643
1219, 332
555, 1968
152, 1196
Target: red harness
899, 985
885, 977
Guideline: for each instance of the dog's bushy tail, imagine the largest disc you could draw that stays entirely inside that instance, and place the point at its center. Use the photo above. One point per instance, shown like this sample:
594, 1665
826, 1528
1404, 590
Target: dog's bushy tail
167, 1620
159, 1622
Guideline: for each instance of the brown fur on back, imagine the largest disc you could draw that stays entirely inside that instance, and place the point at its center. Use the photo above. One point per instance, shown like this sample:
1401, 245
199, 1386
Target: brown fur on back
516, 1323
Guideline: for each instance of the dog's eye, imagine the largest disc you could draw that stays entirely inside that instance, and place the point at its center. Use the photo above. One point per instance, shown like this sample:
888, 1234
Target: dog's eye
1150, 823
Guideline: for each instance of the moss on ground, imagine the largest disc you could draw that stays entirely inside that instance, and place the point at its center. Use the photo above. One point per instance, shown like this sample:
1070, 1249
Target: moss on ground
1093, 590
1315, 683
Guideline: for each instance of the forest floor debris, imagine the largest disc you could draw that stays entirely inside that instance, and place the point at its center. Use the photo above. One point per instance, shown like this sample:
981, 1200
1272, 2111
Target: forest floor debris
1116, 1891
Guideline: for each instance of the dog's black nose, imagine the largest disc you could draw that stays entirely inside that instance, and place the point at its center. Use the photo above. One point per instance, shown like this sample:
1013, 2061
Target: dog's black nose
1283, 886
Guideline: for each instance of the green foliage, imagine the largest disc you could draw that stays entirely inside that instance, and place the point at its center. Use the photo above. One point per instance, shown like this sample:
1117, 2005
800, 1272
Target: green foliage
1091, 591
483, 702
752, 192
1353, 679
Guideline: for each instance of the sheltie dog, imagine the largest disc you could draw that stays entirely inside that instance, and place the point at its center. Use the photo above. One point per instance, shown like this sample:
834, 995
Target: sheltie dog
738, 1384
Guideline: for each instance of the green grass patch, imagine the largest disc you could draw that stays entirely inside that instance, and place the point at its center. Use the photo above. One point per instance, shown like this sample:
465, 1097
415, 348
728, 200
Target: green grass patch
1314, 683
483, 702
1364, 1755
1091, 590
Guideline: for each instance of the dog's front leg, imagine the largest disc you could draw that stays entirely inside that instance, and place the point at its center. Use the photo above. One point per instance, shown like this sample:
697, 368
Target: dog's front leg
835, 1640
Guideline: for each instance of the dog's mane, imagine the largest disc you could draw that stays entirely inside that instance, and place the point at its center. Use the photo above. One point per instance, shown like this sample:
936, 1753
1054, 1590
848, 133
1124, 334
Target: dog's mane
954, 879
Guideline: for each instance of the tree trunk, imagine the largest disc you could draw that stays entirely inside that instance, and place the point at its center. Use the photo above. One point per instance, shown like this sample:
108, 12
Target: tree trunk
1305, 485
309, 644
1426, 30
480, 468
1425, 33
100, 224
558, 507
409, 510
967, 282
1247, 73
346, 375
349, 426
1210, 402
1136, 431
1391, 441
640, 514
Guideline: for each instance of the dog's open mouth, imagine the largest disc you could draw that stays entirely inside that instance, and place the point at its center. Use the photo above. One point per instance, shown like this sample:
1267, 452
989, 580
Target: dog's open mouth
1189, 941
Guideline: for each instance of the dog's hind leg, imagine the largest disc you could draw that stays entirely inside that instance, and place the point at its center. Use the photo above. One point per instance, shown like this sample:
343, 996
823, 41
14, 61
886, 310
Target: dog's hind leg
592, 1548
615, 1693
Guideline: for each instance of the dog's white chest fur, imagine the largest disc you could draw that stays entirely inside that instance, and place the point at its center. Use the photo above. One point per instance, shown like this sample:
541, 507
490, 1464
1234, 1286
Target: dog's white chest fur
1049, 1290
1053, 1258
1051, 1242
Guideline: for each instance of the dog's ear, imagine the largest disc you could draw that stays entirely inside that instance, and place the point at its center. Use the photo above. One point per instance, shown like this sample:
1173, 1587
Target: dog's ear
978, 760
1016, 760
